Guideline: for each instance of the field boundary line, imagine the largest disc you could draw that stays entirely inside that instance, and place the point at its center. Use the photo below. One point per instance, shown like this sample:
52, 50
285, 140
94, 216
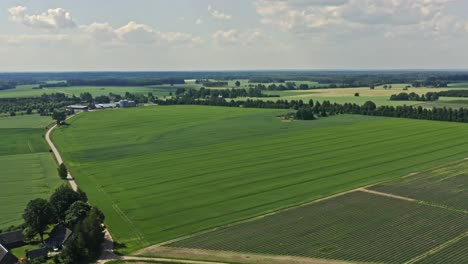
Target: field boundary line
254, 218
437, 249
388, 195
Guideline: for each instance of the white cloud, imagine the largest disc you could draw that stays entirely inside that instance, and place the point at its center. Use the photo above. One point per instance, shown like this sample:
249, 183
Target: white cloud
237, 37
135, 33
337, 16
57, 18
218, 14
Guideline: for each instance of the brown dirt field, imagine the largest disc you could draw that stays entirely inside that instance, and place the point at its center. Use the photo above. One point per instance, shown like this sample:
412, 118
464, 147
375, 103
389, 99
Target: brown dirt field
233, 257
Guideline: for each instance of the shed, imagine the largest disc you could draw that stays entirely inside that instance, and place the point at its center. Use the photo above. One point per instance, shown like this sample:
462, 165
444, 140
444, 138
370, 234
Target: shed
6, 257
37, 253
12, 239
58, 236
78, 108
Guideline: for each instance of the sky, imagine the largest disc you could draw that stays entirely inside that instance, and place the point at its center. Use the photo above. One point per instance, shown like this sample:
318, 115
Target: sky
168, 35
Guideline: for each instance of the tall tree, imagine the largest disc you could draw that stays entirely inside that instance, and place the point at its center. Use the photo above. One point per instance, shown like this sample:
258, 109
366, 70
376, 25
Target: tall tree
37, 216
62, 199
238, 83
62, 171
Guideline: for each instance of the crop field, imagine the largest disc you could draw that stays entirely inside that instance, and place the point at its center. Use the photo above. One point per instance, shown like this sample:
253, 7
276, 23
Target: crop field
446, 186
456, 253
28, 170
27, 91
159, 173
357, 226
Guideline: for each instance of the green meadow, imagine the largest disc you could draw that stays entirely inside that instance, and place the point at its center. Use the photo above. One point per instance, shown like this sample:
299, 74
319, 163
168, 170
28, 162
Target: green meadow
159, 173
28, 170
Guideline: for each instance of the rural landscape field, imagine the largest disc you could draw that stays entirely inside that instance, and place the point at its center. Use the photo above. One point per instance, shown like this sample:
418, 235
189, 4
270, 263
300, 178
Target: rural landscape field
234, 132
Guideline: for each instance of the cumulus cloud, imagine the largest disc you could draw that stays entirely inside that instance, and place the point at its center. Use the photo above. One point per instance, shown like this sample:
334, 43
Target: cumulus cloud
136, 33
57, 18
387, 15
236, 37
218, 14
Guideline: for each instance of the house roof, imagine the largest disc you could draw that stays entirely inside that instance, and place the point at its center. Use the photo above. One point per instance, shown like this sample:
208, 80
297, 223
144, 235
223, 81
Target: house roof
78, 106
12, 237
58, 236
37, 253
6, 257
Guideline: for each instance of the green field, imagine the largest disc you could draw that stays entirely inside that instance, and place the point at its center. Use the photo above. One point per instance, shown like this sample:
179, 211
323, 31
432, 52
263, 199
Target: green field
357, 226
163, 172
28, 170
447, 186
456, 253
27, 91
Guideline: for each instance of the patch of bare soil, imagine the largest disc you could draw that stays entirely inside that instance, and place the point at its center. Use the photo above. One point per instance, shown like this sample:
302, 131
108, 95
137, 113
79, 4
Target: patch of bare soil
230, 257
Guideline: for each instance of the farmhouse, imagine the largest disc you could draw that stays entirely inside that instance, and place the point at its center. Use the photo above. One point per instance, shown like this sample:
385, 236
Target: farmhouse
78, 108
12, 239
37, 253
57, 237
126, 103
6, 257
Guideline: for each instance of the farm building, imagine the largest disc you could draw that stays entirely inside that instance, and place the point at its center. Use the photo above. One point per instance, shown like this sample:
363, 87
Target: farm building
78, 108
6, 257
37, 253
57, 237
126, 103
105, 106
12, 239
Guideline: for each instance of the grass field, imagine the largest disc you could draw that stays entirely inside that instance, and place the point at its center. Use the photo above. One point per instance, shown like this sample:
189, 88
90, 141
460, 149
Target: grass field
357, 226
163, 172
28, 170
27, 91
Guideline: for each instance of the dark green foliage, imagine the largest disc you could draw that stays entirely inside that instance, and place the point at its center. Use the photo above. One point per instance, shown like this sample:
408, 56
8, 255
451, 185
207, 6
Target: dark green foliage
238, 83
430, 96
59, 116
62, 199
84, 245
62, 171
37, 216
224, 93
76, 213
305, 114
46, 104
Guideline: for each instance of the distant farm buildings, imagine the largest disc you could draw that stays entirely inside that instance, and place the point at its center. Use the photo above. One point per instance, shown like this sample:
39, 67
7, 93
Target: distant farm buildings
78, 108
6, 257
57, 237
126, 103
105, 106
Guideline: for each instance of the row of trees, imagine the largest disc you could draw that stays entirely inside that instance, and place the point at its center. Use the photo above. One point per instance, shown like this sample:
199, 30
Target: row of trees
70, 208
224, 93
430, 96
45, 105
326, 108
124, 82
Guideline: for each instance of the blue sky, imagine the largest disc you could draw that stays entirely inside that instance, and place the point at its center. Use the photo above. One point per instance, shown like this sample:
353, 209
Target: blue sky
68, 35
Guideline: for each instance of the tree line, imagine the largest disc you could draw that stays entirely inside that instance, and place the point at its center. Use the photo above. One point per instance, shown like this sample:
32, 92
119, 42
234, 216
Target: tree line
223, 93
430, 96
124, 82
71, 209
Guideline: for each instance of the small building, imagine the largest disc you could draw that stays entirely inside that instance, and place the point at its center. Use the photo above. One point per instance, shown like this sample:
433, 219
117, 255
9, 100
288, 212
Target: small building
105, 106
78, 108
6, 257
12, 239
37, 253
57, 237
126, 103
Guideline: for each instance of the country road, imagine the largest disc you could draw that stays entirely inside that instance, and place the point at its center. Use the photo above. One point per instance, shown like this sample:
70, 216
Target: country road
108, 245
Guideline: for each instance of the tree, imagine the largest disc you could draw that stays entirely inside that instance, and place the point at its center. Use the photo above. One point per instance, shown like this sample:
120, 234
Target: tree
369, 105
237, 83
76, 213
356, 94
12, 113
62, 171
37, 217
85, 243
59, 116
62, 199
